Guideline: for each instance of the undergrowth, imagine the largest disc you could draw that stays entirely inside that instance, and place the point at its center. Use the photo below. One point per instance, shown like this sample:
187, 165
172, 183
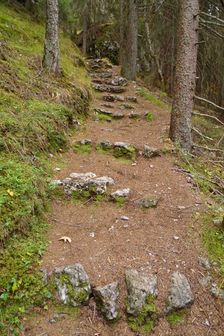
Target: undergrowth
37, 112
207, 178
149, 96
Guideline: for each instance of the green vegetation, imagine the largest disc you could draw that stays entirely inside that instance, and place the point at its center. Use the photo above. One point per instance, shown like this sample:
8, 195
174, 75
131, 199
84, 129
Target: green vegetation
176, 317
127, 153
145, 321
149, 96
104, 117
37, 112
82, 148
207, 177
149, 116
120, 201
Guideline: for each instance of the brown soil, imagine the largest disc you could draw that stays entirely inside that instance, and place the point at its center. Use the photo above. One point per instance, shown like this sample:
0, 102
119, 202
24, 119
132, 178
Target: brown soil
147, 243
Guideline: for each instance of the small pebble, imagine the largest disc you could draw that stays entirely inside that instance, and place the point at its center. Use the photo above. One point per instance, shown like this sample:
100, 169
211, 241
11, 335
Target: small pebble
124, 218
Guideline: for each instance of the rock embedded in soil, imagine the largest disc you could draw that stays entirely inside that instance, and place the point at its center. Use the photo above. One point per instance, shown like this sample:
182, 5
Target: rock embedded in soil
140, 287
127, 106
86, 183
118, 115
102, 111
73, 285
150, 152
180, 294
108, 105
108, 88
107, 300
148, 202
120, 193
134, 115
118, 81
84, 142
105, 145
132, 99
217, 292
204, 262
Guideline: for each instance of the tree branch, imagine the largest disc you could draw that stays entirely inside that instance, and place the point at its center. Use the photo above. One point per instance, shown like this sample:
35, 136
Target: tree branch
209, 102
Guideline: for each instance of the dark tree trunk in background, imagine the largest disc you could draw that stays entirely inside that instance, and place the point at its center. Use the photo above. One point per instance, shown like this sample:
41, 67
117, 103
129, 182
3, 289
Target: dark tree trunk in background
85, 28
129, 38
51, 46
185, 77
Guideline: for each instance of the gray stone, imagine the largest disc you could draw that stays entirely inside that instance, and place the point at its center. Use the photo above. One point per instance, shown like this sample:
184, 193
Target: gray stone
204, 262
140, 287
109, 98
120, 193
86, 182
205, 281
123, 145
118, 81
120, 98
73, 285
132, 99
217, 292
107, 300
134, 115
127, 106
84, 142
118, 115
148, 202
150, 152
108, 88
105, 144
108, 105
101, 111
180, 295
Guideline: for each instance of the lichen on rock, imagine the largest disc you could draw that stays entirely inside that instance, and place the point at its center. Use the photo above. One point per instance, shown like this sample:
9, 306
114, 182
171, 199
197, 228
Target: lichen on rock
73, 285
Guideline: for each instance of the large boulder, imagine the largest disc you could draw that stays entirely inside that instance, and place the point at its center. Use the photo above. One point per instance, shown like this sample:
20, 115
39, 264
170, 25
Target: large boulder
107, 300
141, 289
73, 285
180, 295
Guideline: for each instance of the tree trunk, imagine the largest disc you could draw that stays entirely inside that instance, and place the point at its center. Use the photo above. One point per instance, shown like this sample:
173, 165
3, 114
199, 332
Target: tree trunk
51, 46
185, 78
129, 38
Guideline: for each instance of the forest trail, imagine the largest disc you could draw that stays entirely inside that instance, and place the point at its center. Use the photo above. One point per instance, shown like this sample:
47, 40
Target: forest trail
160, 240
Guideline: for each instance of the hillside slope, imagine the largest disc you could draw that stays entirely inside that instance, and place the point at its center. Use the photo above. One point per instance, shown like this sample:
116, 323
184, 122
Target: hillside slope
37, 112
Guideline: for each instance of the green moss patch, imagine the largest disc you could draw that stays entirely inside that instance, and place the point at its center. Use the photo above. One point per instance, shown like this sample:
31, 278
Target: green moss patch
149, 116
146, 319
176, 317
82, 148
127, 153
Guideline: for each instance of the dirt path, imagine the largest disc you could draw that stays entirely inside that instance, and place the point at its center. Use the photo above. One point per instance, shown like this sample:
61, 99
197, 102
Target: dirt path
159, 240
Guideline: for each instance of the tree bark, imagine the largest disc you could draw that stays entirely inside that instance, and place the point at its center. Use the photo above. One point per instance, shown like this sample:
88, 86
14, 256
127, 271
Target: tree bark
129, 38
51, 45
185, 77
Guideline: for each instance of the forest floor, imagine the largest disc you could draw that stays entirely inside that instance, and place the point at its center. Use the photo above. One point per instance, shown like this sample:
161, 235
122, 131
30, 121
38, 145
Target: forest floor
159, 240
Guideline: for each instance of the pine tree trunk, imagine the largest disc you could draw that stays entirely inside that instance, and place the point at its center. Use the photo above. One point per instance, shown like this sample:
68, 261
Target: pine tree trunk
51, 46
129, 38
185, 77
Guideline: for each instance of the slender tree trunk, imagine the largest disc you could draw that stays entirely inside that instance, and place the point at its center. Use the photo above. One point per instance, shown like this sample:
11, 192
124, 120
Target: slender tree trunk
51, 46
85, 29
129, 38
185, 78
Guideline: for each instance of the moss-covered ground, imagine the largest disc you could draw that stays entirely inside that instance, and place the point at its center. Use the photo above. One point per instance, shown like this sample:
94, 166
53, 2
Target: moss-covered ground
37, 113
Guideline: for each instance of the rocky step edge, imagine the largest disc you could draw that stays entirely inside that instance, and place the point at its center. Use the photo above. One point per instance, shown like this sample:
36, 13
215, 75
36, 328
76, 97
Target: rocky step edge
87, 186
73, 288
118, 149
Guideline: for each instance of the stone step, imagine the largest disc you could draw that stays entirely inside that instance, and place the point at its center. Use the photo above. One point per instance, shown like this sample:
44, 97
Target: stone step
75, 289
108, 88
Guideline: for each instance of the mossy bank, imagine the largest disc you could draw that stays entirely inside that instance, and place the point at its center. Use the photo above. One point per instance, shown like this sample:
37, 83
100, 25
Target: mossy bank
38, 112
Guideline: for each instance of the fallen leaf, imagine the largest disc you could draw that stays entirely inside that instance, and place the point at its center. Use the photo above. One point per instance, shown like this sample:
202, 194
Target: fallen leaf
66, 239
10, 192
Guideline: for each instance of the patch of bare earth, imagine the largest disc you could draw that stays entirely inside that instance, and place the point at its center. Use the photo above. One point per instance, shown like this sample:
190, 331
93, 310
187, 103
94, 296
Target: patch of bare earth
160, 240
